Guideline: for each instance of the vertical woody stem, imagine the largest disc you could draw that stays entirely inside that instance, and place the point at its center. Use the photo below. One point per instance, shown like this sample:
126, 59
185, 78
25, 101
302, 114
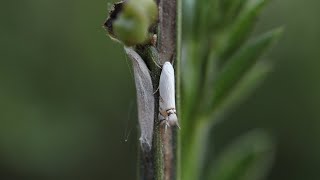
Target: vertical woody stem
162, 162
167, 35
168, 43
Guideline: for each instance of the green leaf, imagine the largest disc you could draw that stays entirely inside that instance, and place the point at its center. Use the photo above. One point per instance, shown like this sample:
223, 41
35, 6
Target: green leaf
129, 21
249, 82
239, 64
248, 158
207, 16
188, 11
232, 8
241, 29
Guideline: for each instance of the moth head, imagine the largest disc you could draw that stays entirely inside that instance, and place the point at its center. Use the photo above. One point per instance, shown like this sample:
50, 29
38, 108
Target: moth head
167, 63
168, 68
172, 116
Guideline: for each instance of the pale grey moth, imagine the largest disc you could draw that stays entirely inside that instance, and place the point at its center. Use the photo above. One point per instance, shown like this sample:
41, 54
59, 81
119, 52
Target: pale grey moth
145, 97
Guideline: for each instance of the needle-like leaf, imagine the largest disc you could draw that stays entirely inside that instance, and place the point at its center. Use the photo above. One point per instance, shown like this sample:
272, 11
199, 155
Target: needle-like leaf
241, 29
239, 64
247, 159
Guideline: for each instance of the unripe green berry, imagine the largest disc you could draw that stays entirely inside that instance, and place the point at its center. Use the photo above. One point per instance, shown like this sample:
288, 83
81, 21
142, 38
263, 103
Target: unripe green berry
150, 9
130, 31
131, 24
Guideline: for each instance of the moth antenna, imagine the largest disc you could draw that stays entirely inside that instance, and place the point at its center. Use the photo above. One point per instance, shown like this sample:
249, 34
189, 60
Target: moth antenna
127, 138
172, 59
156, 90
177, 124
128, 130
128, 64
156, 63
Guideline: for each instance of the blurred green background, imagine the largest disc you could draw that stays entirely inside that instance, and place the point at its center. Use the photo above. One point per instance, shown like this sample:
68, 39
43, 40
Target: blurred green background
67, 98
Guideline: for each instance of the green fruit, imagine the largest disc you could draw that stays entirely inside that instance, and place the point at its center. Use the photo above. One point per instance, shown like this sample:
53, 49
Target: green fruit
130, 31
150, 9
132, 25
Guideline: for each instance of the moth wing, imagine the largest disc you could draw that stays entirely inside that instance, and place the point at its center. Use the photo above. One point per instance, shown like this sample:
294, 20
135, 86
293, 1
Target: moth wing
167, 87
145, 97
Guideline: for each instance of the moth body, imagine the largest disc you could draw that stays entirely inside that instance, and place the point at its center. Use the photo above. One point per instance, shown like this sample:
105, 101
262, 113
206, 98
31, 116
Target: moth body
167, 104
145, 98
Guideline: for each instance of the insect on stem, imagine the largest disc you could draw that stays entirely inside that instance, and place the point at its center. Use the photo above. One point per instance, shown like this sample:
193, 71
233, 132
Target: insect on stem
167, 103
145, 98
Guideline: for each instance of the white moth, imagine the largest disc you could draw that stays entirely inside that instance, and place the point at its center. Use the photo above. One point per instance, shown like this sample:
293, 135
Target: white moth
145, 98
167, 103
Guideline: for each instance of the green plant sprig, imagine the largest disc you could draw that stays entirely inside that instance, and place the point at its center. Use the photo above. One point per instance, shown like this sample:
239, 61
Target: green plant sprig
221, 67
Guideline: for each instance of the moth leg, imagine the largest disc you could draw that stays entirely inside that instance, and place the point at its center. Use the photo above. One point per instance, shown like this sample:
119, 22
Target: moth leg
162, 118
156, 90
177, 124
156, 64
167, 124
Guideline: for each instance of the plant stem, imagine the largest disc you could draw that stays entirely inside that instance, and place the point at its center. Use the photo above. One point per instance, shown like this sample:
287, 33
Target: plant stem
196, 145
167, 34
169, 50
161, 163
